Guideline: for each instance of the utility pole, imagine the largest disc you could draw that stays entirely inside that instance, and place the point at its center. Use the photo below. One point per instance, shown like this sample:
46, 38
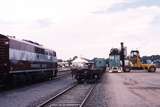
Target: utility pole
122, 57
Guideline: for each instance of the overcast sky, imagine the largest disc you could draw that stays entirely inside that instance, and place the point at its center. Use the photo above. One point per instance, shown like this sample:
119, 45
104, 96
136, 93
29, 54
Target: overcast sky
88, 28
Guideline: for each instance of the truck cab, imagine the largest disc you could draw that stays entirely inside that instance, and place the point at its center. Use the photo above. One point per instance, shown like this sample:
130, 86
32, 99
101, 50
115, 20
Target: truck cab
114, 61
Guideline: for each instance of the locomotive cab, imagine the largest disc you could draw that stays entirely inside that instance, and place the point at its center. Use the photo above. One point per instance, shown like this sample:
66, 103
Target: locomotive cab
4, 57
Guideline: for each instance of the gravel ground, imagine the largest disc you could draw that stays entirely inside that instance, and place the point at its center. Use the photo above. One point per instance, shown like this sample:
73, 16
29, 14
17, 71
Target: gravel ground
34, 94
127, 90
63, 72
97, 98
72, 98
115, 90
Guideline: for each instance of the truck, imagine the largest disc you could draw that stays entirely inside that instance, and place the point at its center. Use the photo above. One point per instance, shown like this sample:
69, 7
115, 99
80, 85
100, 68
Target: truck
135, 63
114, 60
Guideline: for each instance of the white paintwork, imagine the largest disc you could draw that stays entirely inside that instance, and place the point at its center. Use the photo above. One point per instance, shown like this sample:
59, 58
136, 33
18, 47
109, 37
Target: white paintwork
117, 69
32, 70
15, 54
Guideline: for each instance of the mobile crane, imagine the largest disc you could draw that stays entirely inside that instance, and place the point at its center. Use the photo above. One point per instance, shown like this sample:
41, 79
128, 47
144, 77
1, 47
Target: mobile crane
135, 63
127, 63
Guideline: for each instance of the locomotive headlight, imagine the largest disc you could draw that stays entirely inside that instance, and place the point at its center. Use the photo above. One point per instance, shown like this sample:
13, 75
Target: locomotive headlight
6, 43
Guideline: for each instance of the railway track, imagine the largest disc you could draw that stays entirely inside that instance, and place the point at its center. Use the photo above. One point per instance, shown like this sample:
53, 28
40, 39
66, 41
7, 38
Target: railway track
61, 75
73, 96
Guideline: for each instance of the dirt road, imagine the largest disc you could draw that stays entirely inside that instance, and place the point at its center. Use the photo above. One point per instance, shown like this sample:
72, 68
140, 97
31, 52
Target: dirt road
132, 89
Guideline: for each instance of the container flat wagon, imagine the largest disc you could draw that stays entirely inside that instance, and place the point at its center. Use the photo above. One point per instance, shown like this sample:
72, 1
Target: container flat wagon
91, 71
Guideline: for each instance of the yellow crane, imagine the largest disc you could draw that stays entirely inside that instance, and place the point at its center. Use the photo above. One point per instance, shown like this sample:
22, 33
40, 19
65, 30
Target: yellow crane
135, 63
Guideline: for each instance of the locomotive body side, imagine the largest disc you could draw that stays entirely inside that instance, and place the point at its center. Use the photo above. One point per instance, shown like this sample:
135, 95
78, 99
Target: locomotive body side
28, 61
30, 58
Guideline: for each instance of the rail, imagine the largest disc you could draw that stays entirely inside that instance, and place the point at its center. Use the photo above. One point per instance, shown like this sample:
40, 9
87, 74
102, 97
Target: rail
81, 104
57, 95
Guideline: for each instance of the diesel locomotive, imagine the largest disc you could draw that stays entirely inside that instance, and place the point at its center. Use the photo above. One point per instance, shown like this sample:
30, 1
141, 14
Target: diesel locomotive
25, 61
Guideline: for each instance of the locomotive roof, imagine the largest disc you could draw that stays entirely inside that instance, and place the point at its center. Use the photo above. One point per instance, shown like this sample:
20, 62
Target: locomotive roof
26, 42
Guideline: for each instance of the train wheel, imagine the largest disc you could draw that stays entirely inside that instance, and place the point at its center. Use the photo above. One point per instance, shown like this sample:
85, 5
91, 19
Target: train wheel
55, 73
8, 82
127, 69
14, 81
96, 76
80, 81
50, 75
152, 69
29, 78
22, 79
